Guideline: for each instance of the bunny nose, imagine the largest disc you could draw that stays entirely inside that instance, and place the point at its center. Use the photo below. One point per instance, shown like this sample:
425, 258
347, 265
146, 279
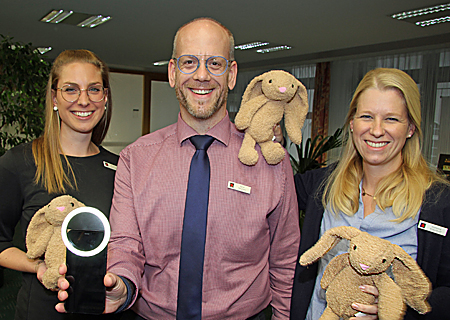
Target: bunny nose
60, 208
363, 266
282, 89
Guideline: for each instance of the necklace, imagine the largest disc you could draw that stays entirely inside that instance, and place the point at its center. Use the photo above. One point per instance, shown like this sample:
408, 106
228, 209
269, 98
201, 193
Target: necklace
364, 193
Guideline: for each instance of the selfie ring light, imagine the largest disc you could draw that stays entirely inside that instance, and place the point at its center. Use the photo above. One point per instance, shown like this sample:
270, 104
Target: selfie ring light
106, 228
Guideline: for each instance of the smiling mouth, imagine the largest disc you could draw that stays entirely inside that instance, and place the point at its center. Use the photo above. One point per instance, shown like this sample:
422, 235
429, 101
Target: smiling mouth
82, 113
201, 91
376, 144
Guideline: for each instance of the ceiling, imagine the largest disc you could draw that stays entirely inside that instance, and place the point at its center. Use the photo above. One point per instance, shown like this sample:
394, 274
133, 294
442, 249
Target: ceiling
141, 31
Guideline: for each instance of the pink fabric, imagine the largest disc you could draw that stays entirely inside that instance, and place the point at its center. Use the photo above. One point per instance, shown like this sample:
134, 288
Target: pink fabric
251, 242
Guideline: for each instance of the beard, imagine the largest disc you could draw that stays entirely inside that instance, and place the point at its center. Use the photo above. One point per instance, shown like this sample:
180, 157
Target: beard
201, 111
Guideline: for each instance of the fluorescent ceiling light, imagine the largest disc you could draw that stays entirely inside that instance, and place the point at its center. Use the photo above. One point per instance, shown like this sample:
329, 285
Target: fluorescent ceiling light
251, 45
161, 63
273, 49
93, 21
421, 12
44, 50
56, 16
431, 22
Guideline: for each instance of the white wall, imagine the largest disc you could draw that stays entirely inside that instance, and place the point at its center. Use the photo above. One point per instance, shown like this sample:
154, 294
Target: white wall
164, 105
128, 102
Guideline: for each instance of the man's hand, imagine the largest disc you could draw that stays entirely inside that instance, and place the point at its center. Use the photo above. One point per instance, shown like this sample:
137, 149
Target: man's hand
116, 291
278, 134
368, 312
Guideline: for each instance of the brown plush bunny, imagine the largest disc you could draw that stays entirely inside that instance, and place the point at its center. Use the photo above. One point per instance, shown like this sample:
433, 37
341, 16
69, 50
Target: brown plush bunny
365, 264
264, 102
44, 236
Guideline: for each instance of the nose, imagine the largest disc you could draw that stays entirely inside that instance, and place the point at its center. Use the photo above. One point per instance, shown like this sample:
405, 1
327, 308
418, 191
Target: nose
202, 74
363, 266
60, 208
282, 89
83, 99
377, 128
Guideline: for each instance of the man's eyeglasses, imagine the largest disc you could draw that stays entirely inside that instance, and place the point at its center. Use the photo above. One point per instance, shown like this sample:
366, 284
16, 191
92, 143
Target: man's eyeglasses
216, 65
71, 93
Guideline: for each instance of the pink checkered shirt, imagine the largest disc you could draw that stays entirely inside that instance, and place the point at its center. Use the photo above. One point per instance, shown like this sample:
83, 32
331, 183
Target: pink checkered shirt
252, 239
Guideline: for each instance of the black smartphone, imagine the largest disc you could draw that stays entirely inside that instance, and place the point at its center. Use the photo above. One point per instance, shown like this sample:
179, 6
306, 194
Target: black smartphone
85, 232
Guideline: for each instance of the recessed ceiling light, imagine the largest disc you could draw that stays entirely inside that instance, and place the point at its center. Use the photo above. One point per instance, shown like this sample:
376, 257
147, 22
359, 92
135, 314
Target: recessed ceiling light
273, 49
161, 63
431, 22
44, 50
251, 45
421, 12
56, 16
93, 21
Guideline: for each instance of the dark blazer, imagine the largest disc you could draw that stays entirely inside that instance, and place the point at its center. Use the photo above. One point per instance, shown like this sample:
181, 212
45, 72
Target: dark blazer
433, 254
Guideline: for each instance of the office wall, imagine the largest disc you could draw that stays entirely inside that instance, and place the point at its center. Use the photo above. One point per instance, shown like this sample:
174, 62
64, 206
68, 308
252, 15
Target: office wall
164, 106
128, 100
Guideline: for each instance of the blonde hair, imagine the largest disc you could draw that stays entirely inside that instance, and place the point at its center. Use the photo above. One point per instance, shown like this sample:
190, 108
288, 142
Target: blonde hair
404, 189
47, 148
228, 32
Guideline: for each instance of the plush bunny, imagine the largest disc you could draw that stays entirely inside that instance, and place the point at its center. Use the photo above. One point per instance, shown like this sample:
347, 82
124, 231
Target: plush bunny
365, 264
44, 236
264, 102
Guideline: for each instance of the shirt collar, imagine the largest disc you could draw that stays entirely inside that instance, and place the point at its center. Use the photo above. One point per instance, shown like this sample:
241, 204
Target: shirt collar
221, 131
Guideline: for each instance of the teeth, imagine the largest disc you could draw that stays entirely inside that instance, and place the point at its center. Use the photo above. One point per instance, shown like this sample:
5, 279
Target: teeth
82, 114
201, 91
376, 144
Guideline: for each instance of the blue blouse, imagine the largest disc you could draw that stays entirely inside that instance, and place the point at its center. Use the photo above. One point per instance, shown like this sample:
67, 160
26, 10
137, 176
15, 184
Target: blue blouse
378, 224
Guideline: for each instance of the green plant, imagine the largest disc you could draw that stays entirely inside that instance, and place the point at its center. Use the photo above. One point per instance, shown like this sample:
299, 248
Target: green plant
309, 158
23, 80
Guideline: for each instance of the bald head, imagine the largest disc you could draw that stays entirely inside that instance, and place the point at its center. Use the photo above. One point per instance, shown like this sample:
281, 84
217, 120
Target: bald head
205, 25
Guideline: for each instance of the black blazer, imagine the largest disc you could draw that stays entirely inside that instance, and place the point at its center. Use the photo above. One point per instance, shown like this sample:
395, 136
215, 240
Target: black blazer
433, 254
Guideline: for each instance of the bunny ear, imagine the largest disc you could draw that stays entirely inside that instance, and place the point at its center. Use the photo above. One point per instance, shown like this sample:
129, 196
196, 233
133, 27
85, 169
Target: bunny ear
295, 114
35, 229
328, 240
253, 89
252, 100
412, 281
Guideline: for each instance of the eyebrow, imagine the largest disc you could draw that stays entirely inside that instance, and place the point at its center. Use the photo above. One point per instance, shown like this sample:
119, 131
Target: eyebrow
76, 84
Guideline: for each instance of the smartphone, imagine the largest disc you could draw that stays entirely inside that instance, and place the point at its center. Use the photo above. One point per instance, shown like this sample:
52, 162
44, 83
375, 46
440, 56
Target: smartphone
85, 232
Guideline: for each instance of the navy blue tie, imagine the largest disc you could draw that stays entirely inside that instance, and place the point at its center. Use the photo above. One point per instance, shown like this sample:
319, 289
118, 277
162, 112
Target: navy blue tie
189, 304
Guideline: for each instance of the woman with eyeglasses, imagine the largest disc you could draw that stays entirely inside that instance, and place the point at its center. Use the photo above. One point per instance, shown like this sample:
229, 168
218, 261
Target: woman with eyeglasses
66, 159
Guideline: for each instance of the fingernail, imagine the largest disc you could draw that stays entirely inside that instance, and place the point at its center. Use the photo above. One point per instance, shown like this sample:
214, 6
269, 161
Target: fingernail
362, 287
354, 305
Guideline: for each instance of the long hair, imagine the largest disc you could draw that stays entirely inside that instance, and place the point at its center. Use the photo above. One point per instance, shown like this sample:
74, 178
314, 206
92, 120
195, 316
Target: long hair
47, 148
404, 189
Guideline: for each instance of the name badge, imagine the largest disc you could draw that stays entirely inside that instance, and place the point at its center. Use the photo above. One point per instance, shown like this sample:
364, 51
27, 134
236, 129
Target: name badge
431, 227
239, 187
109, 165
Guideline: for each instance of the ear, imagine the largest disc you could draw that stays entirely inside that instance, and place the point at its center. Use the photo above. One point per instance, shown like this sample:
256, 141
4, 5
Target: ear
106, 95
351, 125
295, 113
328, 240
253, 89
35, 229
54, 93
172, 69
232, 75
412, 281
411, 129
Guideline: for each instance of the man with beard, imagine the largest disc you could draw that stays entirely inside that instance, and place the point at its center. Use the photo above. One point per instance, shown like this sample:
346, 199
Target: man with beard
252, 232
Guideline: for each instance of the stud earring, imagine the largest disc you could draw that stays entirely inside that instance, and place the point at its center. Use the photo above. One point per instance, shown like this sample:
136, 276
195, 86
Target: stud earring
351, 130
55, 108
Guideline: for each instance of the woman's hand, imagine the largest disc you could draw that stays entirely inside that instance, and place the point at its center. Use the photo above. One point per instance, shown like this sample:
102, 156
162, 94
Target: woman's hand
367, 312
